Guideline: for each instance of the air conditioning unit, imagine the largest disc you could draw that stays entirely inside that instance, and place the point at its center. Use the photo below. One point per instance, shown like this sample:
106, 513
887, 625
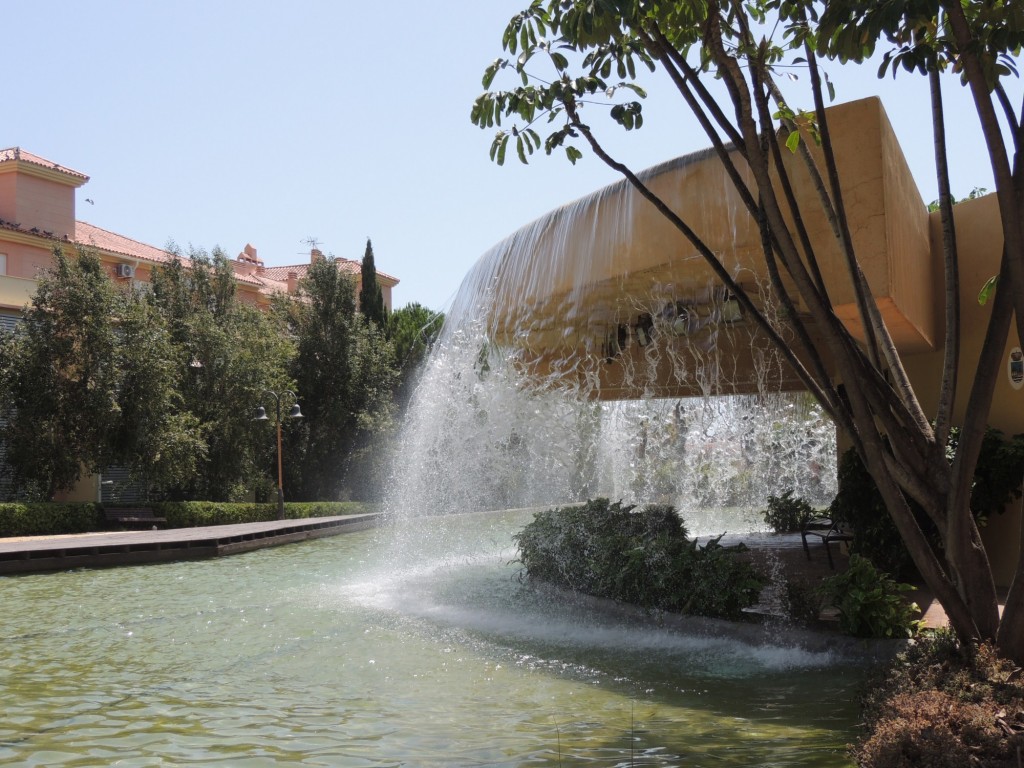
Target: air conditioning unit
124, 270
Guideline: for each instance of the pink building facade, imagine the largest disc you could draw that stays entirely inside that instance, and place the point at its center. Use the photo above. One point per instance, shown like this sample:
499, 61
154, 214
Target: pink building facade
37, 213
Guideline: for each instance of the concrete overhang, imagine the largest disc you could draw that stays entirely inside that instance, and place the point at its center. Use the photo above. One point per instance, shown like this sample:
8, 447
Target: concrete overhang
559, 291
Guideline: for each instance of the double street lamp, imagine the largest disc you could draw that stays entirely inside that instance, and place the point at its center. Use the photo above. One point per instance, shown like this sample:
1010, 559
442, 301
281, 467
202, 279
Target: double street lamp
294, 413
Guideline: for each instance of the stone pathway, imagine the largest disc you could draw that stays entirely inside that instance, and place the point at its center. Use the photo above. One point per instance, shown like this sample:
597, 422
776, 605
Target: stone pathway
97, 550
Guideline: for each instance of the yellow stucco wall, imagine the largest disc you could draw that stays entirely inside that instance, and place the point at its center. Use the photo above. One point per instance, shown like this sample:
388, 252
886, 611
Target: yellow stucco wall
979, 242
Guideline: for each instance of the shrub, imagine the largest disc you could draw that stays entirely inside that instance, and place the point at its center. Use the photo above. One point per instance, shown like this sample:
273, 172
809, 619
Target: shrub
787, 514
46, 519
935, 705
870, 603
927, 728
52, 519
997, 476
188, 514
859, 505
640, 556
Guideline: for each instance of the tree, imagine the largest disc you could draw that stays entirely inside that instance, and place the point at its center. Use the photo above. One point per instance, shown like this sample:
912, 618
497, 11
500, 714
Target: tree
84, 383
693, 42
371, 297
411, 329
155, 438
224, 356
344, 370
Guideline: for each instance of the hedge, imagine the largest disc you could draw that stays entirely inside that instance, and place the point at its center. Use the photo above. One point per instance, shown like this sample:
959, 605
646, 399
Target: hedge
189, 514
44, 519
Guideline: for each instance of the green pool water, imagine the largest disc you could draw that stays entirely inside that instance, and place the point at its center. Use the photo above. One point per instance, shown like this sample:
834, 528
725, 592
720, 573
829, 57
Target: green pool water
408, 645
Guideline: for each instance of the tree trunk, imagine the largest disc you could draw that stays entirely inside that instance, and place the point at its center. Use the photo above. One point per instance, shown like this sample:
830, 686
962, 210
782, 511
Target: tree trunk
959, 613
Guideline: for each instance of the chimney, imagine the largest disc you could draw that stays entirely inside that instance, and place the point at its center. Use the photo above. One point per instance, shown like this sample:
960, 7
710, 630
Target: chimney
293, 282
248, 262
315, 255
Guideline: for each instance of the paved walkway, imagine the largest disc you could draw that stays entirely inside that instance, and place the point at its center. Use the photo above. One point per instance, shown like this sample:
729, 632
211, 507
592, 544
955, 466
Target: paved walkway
98, 550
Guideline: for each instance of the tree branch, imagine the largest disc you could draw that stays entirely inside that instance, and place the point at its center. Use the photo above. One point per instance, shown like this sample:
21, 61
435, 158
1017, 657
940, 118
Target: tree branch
950, 261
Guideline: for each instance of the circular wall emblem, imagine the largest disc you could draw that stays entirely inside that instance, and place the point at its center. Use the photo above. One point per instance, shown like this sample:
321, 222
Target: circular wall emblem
1015, 368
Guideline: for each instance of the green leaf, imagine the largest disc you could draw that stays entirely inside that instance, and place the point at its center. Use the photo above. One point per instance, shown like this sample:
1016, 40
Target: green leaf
573, 154
496, 145
635, 89
988, 289
520, 150
793, 141
492, 70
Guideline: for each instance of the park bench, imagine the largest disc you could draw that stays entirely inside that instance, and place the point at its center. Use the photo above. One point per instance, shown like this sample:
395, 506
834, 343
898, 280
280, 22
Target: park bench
133, 516
828, 530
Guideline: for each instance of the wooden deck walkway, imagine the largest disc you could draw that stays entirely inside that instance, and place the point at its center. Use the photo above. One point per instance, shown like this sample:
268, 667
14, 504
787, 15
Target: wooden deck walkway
101, 550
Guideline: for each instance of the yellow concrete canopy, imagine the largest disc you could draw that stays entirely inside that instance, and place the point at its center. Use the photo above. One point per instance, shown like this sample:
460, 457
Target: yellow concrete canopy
607, 293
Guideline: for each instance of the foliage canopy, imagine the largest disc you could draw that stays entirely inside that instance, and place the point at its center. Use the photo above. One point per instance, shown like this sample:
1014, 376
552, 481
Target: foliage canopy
163, 382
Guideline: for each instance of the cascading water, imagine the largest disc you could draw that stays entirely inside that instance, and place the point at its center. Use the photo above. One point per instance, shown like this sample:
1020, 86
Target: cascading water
562, 375
559, 376
478, 439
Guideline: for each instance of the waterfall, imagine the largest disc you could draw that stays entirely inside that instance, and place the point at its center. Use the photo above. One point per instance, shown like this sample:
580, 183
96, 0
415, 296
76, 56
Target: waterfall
590, 354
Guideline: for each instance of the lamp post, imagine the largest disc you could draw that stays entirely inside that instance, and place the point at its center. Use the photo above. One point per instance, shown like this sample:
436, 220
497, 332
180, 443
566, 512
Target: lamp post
294, 413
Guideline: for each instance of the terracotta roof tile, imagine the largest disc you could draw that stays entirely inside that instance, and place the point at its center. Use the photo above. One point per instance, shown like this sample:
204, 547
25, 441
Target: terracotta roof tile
273, 285
91, 235
17, 153
347, 266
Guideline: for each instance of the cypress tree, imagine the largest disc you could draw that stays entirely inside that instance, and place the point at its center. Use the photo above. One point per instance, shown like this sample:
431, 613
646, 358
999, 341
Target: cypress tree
371, 297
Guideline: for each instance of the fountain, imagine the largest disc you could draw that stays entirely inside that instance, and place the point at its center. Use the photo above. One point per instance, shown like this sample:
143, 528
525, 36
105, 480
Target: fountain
414, 644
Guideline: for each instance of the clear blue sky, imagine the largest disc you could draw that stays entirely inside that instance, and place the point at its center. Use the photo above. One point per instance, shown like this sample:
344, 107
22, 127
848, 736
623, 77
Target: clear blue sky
226, 122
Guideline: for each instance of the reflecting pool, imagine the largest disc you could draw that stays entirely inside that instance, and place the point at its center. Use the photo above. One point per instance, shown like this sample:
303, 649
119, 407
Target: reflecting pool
408, 645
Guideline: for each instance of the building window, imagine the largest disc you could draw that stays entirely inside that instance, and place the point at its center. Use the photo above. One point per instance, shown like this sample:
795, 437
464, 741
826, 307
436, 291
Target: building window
3, 263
